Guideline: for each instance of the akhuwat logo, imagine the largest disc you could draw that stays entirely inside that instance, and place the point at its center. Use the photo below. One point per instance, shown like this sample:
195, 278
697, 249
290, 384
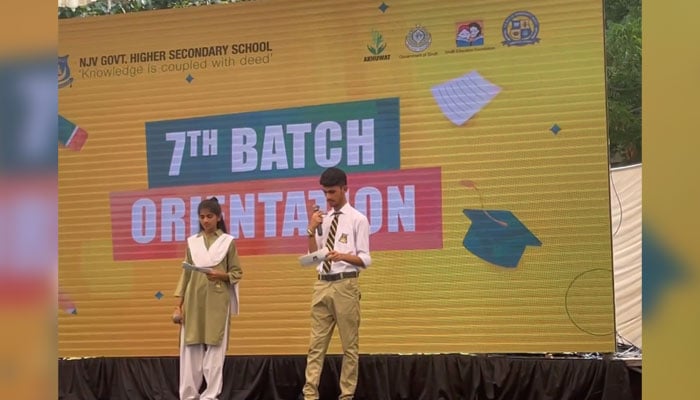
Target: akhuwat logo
377, 46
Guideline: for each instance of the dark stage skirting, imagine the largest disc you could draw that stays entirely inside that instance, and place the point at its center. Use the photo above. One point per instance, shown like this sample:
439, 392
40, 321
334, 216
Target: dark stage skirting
382, 377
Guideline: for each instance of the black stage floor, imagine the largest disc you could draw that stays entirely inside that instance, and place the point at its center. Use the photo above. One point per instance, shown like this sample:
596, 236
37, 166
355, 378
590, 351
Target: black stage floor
382, 377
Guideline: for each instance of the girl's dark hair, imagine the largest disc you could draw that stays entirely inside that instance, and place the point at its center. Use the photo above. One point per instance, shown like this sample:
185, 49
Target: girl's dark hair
212, 204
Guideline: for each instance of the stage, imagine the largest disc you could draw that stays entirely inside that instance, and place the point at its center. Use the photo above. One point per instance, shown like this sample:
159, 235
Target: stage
382, 377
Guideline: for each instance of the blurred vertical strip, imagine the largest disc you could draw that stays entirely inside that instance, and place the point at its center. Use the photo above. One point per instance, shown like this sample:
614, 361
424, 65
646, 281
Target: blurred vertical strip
28, 200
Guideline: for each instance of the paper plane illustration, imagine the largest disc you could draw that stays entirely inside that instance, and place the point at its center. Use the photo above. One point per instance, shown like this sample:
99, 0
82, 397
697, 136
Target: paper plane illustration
461, 98
498, 237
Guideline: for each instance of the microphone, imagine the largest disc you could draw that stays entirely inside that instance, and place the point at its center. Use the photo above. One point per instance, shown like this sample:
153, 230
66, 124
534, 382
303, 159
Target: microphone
319, 229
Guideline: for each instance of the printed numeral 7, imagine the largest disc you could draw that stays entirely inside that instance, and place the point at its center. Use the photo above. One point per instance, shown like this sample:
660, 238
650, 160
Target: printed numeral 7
178, 151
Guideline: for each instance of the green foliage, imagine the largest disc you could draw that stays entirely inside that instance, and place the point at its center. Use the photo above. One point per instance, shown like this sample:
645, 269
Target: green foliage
623, 48
106, 7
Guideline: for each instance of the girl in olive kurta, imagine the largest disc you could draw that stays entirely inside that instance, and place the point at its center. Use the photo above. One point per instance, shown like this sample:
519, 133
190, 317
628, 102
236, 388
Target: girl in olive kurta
207, 299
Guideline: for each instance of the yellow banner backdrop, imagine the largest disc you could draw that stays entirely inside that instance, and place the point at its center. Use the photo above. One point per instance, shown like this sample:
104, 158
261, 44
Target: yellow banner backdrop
474, 138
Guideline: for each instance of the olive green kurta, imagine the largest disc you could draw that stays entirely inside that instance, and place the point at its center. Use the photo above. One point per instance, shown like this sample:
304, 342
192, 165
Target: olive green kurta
206, 304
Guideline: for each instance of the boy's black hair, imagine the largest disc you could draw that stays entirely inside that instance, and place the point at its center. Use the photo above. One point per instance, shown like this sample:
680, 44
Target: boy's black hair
333, 177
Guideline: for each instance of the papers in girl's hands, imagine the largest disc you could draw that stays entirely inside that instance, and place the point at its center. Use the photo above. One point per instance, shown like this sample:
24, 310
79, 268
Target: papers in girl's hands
314, 258
189, 267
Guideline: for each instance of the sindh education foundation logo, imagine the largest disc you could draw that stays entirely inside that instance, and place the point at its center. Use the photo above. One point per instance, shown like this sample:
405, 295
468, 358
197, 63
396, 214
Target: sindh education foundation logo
64, 77
418, 39
377, 47
470, 34
521, 28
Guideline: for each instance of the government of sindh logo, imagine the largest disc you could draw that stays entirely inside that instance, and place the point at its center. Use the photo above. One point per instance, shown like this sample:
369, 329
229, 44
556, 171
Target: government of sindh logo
64, 78
418, 39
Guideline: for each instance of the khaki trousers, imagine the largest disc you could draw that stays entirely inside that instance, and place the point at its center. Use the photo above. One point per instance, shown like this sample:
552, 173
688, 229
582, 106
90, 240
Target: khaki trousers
334, 303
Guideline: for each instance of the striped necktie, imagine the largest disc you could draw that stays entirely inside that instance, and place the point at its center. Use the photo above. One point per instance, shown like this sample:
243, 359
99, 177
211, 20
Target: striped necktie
330, 242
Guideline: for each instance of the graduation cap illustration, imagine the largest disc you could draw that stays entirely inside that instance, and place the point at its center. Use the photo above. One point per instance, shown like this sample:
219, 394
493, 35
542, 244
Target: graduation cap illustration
661, 269
496, 236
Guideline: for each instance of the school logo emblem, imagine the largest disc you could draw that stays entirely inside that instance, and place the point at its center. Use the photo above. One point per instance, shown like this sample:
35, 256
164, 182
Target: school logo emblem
343, 238
521, 28
64, 77
418, 39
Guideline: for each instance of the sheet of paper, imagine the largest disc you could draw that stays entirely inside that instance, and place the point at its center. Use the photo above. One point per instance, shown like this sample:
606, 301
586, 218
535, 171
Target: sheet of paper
461, 98
189, 267
314, 258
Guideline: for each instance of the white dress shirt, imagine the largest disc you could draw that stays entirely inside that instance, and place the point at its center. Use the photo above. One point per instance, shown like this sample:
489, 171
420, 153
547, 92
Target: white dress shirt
351, 236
